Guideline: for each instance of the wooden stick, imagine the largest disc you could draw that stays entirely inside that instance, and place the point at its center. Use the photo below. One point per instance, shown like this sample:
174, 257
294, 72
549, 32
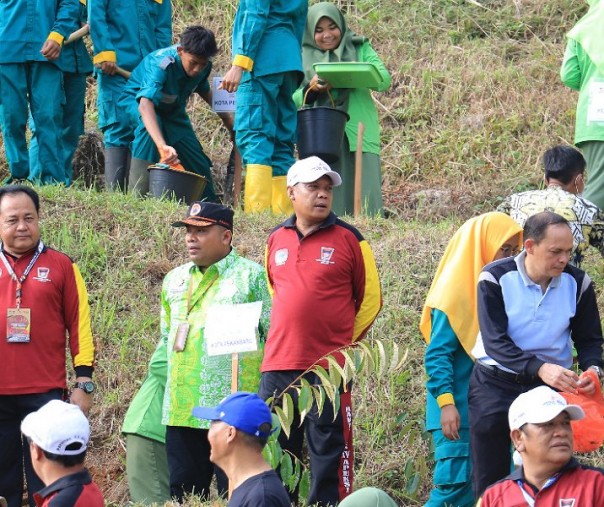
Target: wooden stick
78, 34
237, 178
358, 170
234, 372
122, 72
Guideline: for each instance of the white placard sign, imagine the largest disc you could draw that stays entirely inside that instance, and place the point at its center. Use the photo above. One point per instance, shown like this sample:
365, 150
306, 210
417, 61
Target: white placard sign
222, 101
232, 328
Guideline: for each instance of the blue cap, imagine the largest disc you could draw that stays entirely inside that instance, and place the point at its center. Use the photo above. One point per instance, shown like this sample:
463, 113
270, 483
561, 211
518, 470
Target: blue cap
245, 411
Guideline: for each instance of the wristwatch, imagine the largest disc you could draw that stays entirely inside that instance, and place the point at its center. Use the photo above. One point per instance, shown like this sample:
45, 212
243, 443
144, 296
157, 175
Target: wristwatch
88, 387
598, 370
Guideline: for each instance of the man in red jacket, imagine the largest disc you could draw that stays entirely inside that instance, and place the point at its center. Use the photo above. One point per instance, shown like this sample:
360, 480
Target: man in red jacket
42, 300
326, 294
541, 432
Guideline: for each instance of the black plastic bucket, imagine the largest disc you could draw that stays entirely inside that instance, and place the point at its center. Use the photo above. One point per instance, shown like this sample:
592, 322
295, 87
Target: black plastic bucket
168, 183
320, 132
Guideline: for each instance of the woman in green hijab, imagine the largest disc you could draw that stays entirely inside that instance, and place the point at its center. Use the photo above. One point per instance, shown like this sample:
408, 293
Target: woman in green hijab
583, 71
328, 39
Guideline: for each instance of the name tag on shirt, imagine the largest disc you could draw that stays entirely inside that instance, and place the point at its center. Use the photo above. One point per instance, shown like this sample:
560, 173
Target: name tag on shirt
18, 325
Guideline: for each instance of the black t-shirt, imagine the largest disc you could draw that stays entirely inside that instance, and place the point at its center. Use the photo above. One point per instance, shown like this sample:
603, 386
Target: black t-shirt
265, 489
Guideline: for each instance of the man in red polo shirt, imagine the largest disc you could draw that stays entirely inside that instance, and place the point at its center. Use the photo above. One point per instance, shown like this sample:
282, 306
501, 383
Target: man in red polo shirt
540, 424
326, 295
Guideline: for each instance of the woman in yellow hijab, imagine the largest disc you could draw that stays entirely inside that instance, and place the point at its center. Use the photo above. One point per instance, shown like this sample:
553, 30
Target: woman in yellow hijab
449, 325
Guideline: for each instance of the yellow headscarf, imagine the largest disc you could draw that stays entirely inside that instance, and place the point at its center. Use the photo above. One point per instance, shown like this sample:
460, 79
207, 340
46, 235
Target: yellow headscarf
453, 290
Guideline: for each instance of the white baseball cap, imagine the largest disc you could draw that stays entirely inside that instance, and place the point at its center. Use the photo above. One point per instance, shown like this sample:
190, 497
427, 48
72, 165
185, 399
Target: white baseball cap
311, 169
58, 427
539, 405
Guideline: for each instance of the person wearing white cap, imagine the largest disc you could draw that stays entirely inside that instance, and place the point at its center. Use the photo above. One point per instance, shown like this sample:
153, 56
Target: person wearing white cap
326, 295
540, 428
58, 436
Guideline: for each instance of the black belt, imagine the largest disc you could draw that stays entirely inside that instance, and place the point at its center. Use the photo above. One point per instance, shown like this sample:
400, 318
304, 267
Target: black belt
517, 378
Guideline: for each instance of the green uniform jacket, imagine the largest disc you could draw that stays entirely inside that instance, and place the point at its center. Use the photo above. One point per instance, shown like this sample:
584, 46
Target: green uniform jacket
194, 378
360, 104
125, 31
75, 57
267, 35
161, 78
144, 414
26, 24
579, 73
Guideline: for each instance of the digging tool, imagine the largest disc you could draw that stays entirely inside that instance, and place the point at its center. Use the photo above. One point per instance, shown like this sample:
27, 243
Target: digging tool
358, 170
78, 34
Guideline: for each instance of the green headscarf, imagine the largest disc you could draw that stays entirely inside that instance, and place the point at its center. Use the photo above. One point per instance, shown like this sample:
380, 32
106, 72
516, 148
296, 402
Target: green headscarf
589, 32
345, 52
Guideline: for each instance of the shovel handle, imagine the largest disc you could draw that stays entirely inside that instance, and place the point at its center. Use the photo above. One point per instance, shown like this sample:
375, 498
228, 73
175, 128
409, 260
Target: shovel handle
78, 34
358, 170
122, 72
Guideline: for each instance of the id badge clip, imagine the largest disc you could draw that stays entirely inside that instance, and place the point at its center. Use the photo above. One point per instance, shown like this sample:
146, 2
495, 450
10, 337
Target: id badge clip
180, 340
18, 325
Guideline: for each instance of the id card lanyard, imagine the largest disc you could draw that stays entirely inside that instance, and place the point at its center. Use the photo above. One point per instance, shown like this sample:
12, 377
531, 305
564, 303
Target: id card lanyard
180, 340
19, 281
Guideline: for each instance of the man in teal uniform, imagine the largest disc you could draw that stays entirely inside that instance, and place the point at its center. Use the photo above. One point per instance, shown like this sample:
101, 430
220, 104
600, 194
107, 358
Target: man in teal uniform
146, 460
156, 97
31, 38
266, 70
123, 33
76, 64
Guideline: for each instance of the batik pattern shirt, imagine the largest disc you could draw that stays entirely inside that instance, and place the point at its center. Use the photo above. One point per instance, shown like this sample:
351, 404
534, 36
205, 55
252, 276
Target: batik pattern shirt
586, 220
194, 378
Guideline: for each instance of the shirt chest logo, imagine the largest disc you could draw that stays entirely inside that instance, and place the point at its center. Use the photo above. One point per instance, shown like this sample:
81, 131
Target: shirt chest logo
281, 256
326, 255
567, 502
43, 274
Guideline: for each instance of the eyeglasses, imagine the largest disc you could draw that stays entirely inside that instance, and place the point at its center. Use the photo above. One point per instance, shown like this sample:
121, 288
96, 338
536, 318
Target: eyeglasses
509, 251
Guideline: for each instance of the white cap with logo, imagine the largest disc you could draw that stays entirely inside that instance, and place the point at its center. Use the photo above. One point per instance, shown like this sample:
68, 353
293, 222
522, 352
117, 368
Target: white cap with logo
539, 405
58, 427
311, 169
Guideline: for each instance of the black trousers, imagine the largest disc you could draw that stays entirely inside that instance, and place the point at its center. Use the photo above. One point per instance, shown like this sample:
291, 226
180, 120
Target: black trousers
329, 441
189, 463
14, 449
489, 400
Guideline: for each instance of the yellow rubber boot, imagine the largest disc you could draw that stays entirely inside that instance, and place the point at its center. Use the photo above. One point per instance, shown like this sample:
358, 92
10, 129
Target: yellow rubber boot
258, 190
281, 203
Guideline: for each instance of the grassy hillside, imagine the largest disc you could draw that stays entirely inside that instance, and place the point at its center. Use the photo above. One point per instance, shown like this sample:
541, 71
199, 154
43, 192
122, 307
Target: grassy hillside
475, 100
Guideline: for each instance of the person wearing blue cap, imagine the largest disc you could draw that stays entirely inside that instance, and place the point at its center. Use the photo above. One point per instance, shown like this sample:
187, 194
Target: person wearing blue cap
241, 425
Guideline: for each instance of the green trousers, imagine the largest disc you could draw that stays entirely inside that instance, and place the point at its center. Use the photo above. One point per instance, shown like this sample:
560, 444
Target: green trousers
593, 151
147, 470
371, 183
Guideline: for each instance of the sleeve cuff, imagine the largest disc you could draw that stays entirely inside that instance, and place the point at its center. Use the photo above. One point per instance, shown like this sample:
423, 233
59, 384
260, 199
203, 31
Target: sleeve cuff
244, 62
445, 399
105, 56
57, 37
83, 371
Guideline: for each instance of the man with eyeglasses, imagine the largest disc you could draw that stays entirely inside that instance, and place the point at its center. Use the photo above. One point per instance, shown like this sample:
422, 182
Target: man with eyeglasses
156, 98
565, 180
530, 307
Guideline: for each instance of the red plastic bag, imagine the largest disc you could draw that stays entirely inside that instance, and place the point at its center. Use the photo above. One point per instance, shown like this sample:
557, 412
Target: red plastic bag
588, 432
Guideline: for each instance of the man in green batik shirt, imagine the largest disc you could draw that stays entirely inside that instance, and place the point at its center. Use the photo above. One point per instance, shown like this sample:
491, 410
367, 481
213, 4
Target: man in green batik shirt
215, 275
